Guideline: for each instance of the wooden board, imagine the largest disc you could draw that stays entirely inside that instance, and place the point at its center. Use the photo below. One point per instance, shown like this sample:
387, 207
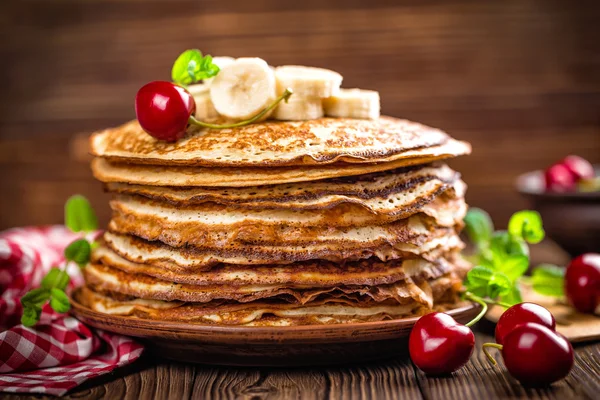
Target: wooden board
576, 326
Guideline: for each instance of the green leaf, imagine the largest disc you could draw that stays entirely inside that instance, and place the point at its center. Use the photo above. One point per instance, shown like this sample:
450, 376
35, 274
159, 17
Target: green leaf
59, 301
79, 215
527, 225
504, 245
479, 226
191, 67
548, 280
31, 315
79, 251
35, 297
55, 278
499, 285
477, 280
514, 266
513, 297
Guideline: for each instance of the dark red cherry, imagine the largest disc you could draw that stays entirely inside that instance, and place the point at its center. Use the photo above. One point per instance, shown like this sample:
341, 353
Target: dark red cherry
559, 179
582, 282
520, 314
579, 167
163, 110
440, 345
536, 355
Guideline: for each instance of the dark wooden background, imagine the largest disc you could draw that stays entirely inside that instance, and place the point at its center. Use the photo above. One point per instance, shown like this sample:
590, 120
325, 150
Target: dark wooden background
520, 79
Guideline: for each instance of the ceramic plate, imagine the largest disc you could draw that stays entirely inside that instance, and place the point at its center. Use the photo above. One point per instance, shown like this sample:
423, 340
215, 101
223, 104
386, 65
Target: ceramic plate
265, 346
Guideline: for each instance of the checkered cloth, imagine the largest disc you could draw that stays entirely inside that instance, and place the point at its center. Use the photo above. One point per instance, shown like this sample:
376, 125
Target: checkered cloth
60, 352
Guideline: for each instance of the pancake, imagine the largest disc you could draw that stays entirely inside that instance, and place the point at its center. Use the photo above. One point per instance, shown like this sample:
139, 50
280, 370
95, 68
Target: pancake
169, 175
272, 143
104, 278
200, 259
441, 291
384, 192
317, 273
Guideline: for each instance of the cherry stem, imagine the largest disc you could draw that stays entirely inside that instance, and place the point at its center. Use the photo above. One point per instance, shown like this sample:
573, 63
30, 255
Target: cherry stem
285, 96
484, 307
487, 353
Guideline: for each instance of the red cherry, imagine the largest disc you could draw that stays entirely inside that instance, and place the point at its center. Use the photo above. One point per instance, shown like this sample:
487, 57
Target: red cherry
559, 179
582, 282
520, 314
536, 355
579, 167
440, 345
163, 110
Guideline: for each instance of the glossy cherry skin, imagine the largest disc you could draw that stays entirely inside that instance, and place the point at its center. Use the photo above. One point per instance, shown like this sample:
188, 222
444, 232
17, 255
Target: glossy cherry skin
579, 167
582, 282
163, 110
559, 179
536, 355
440, 345
520, 314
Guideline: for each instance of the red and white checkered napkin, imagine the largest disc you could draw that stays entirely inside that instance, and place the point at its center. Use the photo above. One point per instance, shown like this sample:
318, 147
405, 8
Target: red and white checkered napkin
60, 352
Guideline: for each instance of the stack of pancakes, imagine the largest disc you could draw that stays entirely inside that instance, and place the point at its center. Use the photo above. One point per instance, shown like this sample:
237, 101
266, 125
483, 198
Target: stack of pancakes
279, 223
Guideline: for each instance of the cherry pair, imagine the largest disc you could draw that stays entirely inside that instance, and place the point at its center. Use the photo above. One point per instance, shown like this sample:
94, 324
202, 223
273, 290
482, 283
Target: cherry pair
533, 352
564, 175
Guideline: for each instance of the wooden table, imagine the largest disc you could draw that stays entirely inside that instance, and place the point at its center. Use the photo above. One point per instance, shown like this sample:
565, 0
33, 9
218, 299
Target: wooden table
390, 379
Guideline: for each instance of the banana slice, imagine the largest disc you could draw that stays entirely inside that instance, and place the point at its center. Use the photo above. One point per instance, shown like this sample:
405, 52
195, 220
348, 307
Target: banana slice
299, 109
353, 103
308, 81
243, 88
205, 110
220, 62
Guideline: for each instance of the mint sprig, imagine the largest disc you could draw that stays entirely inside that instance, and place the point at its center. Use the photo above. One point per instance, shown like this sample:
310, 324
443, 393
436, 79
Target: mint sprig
191, 67
548, 280
502, 257
79, 217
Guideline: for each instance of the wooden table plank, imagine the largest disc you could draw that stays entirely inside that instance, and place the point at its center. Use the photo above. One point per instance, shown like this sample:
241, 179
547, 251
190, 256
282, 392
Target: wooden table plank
391, 379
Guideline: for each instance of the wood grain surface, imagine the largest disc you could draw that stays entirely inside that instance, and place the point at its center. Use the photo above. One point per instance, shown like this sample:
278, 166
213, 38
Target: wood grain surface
391, 379
517, 78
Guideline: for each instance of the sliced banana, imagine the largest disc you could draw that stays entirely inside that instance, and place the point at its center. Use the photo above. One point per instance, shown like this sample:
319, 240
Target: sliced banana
205, 110
220, 62
243, 88
353, 103
299, 109
308, 81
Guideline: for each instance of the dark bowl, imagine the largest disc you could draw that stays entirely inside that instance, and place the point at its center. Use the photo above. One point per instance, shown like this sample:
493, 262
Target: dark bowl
570, 219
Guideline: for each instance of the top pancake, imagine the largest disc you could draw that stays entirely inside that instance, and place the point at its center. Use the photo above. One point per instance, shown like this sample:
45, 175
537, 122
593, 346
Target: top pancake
272, 143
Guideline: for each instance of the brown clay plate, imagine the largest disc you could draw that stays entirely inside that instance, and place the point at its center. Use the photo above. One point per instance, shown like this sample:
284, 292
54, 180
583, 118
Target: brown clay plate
265, 346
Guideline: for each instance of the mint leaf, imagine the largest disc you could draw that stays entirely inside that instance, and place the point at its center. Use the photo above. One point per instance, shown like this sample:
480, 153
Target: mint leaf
191, 67
477, 280
513, 297
79, 215
479, 226
59, 301
31, 315
499, 285
548, 280
35, 297
55, 278
527, 225
79, 251
514, 266
504, 245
